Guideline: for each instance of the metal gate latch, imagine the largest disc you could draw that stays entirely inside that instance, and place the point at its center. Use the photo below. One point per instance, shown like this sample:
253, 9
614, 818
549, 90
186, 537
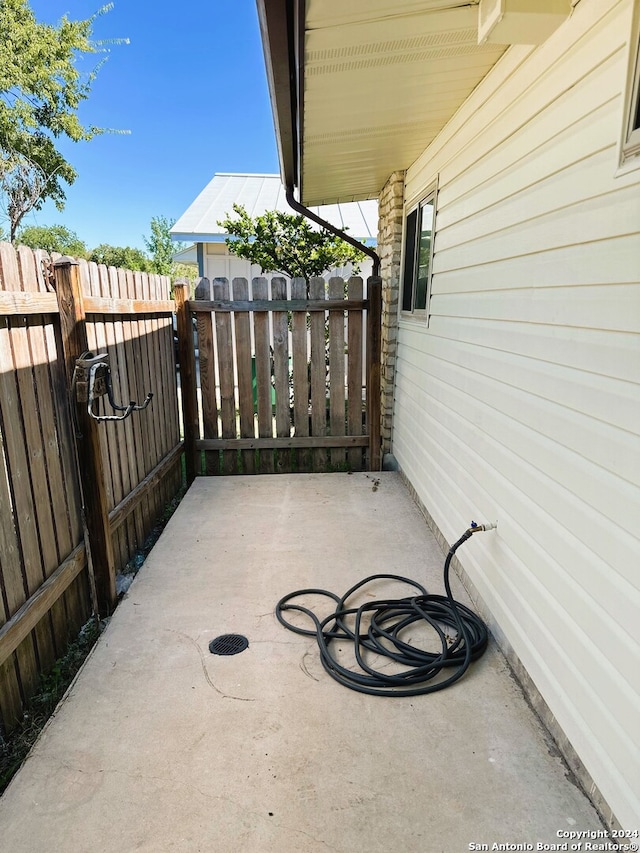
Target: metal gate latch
92, 380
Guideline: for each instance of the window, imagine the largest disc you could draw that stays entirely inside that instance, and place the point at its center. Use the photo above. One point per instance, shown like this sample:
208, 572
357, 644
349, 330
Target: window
418, 252
631, 135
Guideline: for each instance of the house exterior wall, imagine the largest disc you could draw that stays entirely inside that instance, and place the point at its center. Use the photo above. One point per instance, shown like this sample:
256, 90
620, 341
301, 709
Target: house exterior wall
519, 401
390, 212
220, 263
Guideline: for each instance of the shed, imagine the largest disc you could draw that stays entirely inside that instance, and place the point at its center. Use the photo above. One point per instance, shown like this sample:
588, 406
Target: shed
199, 226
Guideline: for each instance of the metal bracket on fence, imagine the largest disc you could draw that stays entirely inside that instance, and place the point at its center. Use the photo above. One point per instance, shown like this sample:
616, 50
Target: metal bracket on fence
48, 274
92, 380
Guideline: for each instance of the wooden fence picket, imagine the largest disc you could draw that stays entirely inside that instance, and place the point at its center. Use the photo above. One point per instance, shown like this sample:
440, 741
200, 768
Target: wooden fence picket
354, 369
207, 364
281, 374
336, 372
263, 375
45, 456
224, 353
300, 374
123, 438
242, 322
318, 369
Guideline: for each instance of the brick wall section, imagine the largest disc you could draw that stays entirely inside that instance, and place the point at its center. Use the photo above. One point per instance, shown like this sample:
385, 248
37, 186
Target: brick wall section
389, 249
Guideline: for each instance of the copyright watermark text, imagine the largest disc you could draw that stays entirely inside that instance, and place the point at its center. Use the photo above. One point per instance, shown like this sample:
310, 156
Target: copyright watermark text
584, 841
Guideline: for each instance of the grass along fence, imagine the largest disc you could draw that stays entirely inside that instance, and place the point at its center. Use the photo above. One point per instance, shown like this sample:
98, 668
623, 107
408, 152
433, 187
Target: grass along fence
54, 457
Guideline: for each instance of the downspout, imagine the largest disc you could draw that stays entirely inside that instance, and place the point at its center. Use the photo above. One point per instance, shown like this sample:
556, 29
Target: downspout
296, 54
300, 208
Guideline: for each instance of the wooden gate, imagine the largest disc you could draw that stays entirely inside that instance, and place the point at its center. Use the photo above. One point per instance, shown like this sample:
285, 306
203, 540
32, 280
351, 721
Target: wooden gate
286, 378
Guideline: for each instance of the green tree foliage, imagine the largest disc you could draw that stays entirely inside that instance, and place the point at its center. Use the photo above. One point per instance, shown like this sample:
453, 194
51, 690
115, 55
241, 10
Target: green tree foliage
41, 89
160, 245
162, 248
121, 256
53, 238
286, 243
188, 271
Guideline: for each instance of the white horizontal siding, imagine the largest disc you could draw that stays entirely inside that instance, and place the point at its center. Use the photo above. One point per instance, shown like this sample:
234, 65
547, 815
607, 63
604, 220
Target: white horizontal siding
584, 264
590, 350
551, 621
618, 212
491, 379
521, 400
584, 180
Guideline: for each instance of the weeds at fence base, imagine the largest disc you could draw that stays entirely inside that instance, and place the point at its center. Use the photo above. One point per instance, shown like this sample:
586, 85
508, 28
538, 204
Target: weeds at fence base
125, 578
15, 748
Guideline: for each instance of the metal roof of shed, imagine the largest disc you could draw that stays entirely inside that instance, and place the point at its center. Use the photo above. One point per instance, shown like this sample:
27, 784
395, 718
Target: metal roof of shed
257, 194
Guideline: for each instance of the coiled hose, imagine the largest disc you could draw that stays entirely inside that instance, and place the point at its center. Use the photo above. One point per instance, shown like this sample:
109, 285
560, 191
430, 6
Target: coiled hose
388, 619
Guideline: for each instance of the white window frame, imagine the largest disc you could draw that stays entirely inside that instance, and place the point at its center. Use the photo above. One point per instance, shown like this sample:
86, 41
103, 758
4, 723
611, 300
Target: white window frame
410, 256
630, 143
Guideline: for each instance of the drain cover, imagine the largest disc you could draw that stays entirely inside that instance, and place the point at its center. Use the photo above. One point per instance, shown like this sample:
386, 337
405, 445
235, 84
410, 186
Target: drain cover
228, 644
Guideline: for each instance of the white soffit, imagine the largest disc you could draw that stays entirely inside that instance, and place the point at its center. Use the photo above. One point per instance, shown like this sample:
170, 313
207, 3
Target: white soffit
381, 79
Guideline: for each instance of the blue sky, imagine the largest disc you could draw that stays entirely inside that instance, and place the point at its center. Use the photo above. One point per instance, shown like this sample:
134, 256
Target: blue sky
191, 89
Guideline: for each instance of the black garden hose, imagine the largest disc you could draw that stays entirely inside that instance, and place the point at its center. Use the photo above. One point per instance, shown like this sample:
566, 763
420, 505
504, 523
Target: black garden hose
388, 619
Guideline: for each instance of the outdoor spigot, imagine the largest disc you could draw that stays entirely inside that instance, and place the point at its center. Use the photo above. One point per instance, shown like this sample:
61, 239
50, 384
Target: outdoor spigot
478, 528
92, 380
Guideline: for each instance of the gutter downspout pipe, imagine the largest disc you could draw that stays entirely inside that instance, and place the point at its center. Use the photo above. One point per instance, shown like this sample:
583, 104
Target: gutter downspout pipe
300, 208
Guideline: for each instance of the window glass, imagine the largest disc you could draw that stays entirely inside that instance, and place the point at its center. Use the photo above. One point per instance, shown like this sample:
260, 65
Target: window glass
635, 95
409, 261
424, 255
418, 235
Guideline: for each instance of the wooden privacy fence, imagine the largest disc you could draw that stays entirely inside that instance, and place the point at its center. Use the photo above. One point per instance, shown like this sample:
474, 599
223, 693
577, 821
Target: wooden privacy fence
281, 376
124, 472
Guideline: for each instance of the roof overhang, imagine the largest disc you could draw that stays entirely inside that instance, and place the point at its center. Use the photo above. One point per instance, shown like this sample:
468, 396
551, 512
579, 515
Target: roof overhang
359, 89
197, 237
188, 255
277, 21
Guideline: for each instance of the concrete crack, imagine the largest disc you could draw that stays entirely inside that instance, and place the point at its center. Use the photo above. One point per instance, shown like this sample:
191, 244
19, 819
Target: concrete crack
308, 835
303, 667
205, 671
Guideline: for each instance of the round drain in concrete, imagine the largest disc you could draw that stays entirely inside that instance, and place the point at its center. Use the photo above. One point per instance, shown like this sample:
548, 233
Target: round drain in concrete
228, 644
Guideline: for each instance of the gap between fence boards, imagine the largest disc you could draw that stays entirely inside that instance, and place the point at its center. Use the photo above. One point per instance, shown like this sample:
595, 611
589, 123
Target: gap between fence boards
200, 305
276, 443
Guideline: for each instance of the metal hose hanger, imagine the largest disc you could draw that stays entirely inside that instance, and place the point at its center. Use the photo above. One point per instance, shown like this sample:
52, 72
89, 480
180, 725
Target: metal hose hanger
132, 406
92, 380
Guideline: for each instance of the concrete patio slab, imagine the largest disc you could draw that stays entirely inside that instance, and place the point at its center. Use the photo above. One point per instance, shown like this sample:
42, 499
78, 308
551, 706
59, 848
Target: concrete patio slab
161, 746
